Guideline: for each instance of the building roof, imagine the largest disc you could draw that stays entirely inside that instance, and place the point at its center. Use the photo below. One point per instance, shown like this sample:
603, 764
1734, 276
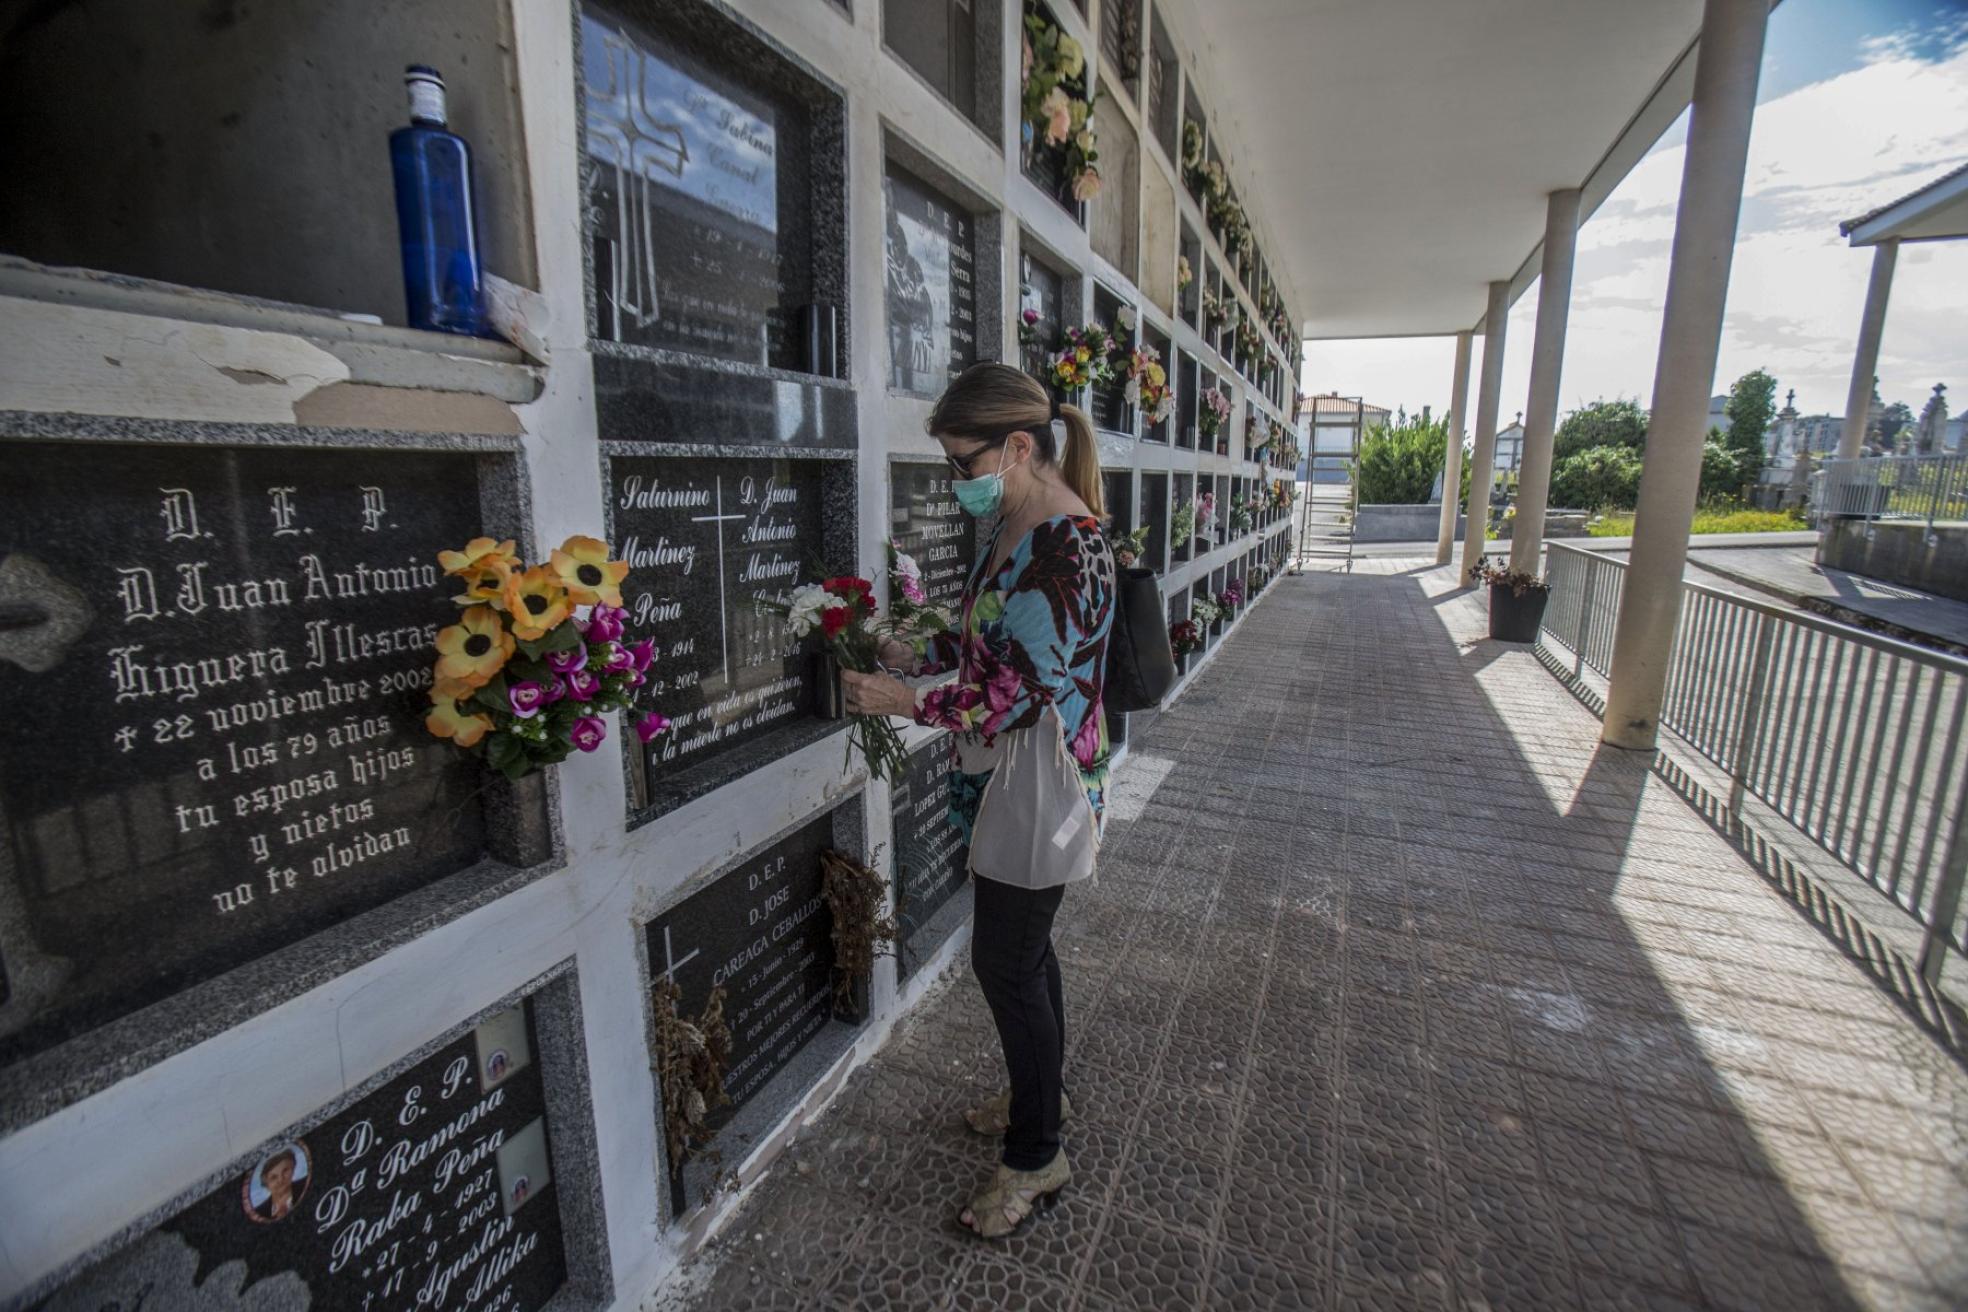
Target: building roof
1935, 212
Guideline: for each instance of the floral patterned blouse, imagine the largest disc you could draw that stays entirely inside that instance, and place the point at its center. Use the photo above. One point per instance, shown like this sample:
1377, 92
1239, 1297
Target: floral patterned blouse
1032, 640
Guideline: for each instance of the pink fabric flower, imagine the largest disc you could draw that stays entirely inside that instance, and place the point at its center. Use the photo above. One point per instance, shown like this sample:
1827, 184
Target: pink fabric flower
650, 725
643, 652
589, 732
566, 662
1087, 185
1058, 110
582, 685
526, 698
605, 623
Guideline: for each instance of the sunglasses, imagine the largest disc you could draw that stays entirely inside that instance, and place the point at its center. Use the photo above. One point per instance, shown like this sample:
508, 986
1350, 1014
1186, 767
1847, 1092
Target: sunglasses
962, 464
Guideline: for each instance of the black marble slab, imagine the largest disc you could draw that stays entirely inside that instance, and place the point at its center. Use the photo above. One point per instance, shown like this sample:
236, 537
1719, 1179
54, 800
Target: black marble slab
930, 285
214, 669
704, 538
1042, 291
682, 402
1155, 514
926, 522
436, 1190
931, 858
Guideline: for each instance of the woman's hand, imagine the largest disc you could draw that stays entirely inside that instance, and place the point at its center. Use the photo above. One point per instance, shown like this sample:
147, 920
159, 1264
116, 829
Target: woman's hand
895, 654
878, 694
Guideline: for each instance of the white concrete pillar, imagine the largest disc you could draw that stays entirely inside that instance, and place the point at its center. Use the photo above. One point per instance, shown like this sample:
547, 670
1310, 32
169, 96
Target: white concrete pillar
1561, 221
1726, 69
1482, 456
1452, 464
1865, 360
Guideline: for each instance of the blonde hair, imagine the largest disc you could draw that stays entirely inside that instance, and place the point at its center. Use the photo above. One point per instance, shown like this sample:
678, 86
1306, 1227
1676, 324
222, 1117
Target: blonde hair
990, 401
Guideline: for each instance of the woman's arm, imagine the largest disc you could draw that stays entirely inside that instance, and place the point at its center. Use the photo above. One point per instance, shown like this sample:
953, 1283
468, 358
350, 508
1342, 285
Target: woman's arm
1023, 667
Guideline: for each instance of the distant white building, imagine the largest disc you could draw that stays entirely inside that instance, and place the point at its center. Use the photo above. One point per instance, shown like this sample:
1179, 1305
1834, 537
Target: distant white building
1510, 448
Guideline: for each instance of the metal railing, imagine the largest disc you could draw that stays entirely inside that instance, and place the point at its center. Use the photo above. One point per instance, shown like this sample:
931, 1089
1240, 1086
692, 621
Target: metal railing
1854, 739
1911, 489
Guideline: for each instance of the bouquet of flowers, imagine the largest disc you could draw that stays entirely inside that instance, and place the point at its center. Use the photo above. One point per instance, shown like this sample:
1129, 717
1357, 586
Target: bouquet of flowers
1083, 358
843, 611
1256, 579
1240, 515
1185, 637
1249, 345
1231, 598
1215, 310
1028, 327
1192, 145
1213, 412
1052, 107
1148, 384
1204, 611
1129, 549
1182, 524
537, 656
1206, 517
1184, 275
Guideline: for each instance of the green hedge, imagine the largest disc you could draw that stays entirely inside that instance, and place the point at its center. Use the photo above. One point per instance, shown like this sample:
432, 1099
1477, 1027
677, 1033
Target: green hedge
1398, 463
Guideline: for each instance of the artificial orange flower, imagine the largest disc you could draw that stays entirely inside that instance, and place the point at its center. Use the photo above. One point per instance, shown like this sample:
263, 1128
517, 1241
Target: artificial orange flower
486, 586
590, 577
474, 649
479, 554
537, 602
449, 719
450, 690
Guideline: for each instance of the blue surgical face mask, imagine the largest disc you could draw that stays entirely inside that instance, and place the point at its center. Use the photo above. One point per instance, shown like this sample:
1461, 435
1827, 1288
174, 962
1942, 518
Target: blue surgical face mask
982, 495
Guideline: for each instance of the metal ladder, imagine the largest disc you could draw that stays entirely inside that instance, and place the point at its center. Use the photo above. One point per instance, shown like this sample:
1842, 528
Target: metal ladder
1326, 511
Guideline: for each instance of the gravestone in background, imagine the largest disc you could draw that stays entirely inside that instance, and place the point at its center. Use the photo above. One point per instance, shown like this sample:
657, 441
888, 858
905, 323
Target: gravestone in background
434, 1191
1155, 514
1043, 292
697, 191
931, 285
704, 539
1117, 490
926, 522
214, 677
930, 854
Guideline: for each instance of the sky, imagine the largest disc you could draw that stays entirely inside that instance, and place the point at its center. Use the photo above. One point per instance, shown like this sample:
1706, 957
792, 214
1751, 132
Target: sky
1859, 103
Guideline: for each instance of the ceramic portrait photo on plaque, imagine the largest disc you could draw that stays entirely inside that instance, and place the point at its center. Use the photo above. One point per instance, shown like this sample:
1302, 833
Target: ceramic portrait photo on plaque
930, 285
215, 694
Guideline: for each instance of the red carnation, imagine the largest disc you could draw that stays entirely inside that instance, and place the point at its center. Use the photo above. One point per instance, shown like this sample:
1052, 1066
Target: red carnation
852, 590
834, 619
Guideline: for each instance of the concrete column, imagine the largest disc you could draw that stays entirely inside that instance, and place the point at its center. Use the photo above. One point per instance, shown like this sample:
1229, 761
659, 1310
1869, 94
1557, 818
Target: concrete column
1726, 69
1561, 221
1452, 464
1482, 457
1865, 361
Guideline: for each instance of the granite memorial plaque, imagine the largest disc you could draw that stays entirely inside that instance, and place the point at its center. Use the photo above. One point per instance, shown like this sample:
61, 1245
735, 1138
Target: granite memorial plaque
1117, 492
931, 252
696, 189
704, 539
436, 1191
1155, 514
926, 522
763, 933
1108, 406
214, 667
931, 858
1041, 292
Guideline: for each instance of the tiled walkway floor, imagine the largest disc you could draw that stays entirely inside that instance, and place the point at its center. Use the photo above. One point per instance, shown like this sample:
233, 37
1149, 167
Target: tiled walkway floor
1402, 992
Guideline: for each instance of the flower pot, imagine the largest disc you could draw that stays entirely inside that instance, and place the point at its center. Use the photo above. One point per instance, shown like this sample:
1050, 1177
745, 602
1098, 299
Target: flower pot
827, 683
1514, 618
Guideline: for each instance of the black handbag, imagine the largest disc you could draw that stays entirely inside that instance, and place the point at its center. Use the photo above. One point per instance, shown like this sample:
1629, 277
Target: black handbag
1140, 666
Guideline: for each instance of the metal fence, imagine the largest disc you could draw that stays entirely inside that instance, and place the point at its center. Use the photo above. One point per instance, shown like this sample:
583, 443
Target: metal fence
1930, 489
1853, 738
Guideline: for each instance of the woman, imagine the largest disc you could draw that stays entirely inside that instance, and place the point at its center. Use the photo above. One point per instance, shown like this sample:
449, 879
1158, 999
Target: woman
1030, 655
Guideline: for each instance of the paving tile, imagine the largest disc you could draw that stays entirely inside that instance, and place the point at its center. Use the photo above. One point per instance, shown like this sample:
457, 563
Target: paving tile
1244, 1281
1139, 1263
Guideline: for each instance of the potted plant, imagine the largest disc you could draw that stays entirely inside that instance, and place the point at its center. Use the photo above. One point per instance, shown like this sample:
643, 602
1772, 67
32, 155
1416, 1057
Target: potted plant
1517, 600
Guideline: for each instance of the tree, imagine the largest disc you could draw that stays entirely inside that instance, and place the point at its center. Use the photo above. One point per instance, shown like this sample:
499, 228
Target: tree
1603, 423
1722, 474
1603, 477
1892, 419
1752, 404
1398, 463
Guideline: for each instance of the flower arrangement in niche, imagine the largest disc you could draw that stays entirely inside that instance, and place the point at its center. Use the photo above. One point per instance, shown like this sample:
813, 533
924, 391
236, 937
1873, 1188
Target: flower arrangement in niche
1130, 547
1204, 611
1249, 345
1213, 412
1241, 512
1084, 358
1028, 326
538, 655
1231, 599
910, 611
1185, 638
1056, 115
1184, 275
842, 611
1206, 517
1148, 384
1216, 310
1182, 523
1192, 147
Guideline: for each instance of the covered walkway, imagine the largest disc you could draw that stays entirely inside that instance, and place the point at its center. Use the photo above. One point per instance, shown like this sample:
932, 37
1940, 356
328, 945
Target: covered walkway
1400, 989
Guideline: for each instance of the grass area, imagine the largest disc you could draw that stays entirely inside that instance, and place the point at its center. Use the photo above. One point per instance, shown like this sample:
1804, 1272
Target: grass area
1619, 524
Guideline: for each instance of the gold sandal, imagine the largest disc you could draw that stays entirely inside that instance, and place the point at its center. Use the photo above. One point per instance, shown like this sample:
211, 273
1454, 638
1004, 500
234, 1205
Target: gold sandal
1010, 1199
993, 1115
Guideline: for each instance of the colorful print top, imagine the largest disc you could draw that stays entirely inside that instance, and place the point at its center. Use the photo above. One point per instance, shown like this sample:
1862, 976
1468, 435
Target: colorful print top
1032, 639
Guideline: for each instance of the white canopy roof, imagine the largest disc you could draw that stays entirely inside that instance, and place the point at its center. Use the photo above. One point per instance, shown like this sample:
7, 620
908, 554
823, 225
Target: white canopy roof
1937, 212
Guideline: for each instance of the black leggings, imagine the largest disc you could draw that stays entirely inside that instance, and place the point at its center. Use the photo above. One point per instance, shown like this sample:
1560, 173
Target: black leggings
1011, 954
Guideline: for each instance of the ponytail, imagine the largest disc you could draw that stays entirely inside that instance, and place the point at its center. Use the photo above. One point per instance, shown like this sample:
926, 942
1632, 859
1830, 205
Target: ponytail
990, 399
1079, 464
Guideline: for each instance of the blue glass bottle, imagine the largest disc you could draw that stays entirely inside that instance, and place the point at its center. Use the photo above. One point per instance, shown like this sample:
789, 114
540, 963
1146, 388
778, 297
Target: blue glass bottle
434, 217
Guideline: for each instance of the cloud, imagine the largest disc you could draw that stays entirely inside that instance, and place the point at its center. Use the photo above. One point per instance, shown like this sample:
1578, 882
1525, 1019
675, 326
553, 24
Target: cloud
1827, 151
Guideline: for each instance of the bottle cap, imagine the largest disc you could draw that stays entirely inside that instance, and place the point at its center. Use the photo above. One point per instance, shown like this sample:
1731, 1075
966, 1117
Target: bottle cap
426, 87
